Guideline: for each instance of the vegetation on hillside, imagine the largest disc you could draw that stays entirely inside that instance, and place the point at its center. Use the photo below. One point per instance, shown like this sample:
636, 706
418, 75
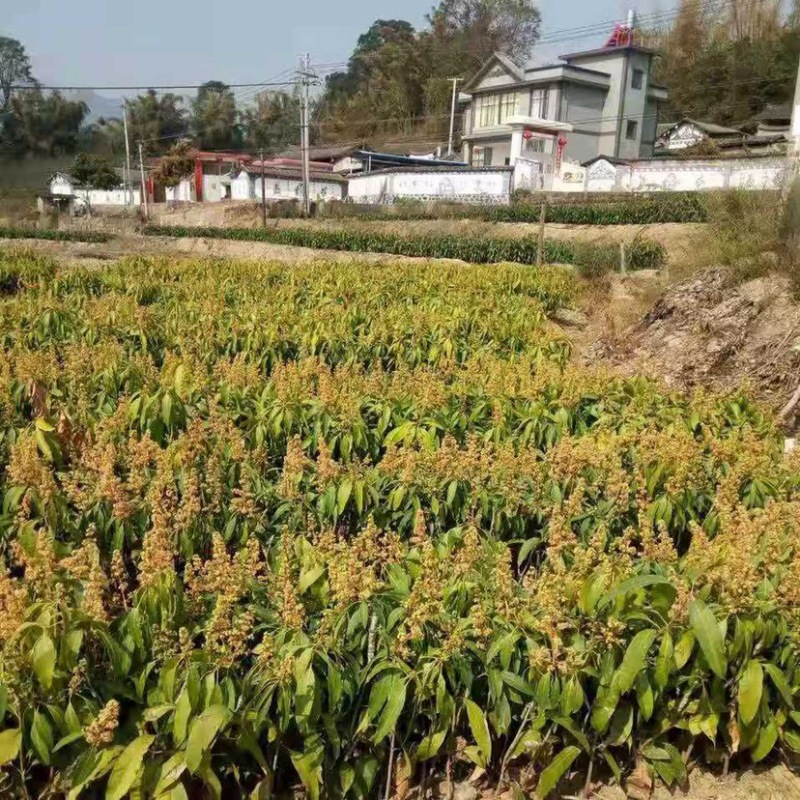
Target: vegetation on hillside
349, 527
725, 65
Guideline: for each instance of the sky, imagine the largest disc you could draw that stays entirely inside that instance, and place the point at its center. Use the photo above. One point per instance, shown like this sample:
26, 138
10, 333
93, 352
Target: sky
160, 42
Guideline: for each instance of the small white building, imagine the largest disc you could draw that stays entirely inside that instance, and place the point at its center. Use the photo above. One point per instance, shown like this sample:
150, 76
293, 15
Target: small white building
64, 185
286, 184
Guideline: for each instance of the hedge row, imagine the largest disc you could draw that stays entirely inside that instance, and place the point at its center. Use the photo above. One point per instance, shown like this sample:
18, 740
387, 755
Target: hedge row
674, 207
54, 235
642, 254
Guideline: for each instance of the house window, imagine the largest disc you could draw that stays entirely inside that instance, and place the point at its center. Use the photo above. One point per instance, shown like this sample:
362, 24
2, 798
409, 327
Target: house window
637, 79
539, 143
508, 106
482, 157
487, 111
540, 99
631, 129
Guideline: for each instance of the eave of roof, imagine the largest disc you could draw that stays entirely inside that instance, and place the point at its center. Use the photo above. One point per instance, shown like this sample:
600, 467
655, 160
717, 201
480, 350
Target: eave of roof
607, 51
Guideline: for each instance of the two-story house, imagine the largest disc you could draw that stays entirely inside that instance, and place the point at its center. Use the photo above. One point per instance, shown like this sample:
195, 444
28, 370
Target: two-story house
607, 96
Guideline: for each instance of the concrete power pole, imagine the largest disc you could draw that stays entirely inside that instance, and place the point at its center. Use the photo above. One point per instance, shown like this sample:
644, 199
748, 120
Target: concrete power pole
305, 77
263, 192
144, 183
452, 114
128, 182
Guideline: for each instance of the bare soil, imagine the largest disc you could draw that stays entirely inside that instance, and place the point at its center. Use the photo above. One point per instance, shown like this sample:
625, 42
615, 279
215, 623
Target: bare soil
704, 331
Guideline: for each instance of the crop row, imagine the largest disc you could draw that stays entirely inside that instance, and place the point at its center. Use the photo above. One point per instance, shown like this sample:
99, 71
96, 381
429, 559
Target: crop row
642, 253
54, 235
361, 528
671, 207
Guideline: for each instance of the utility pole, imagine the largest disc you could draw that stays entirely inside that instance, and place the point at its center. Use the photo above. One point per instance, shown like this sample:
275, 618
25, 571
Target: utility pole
306, 77
263, 193
128, 182
144, 183
452, 114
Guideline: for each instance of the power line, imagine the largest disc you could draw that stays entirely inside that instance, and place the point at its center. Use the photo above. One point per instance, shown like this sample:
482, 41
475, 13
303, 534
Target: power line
170, 88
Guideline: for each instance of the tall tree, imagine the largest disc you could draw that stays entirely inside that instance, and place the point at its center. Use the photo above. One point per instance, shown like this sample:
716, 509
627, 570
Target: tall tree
158, 120
397, 76
478, 28
274, 122
44, 124
214, 116
15, 69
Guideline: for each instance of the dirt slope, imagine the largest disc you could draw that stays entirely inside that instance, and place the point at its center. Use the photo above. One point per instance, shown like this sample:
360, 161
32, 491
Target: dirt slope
706, 331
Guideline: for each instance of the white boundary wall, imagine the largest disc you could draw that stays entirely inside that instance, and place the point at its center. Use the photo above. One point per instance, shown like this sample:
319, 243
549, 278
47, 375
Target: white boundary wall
677, 175
459, 185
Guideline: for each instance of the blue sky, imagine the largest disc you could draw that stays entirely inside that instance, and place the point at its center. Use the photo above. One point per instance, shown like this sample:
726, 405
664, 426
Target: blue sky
154, 42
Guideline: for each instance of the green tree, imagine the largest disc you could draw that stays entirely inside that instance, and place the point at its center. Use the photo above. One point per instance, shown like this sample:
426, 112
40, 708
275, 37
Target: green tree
157, 120
43, 124
178, 163
397, 78
274, 122
214, 117
94, 171
15, 69
474, 29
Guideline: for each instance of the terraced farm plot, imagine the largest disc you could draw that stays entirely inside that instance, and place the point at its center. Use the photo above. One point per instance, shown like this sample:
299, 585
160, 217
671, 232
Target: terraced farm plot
356, 528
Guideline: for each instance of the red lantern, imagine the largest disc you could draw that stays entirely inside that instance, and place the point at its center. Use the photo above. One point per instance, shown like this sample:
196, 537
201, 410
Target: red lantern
527, 135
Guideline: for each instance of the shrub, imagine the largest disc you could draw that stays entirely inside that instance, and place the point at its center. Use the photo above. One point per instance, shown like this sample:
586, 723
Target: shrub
266, 525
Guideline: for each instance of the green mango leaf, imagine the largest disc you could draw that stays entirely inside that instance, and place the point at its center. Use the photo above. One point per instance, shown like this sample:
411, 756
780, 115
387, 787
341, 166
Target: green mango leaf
10, 741
171, 771
203, 732
781, 684
127, 767
42, 737
555, 771
709, 636
480, 731
180, 722
430, 745
634, 660
309, 578
632, 584
308, 765
751, 685
391, 711
44, 660
765, 742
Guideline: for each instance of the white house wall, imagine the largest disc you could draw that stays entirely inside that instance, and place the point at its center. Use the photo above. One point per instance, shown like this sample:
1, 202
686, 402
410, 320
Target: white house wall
456, 185
292, 189
213, 189
184, 192
96, 197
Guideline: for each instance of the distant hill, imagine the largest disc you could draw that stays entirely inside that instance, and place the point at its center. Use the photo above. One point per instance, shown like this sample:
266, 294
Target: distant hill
99, 105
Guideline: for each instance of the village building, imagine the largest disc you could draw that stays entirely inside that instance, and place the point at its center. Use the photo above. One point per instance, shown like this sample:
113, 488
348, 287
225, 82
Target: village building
210, 181
65, 193
596, 102
724, 140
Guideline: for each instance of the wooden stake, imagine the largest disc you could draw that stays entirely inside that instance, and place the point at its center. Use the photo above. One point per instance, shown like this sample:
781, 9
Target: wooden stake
542, 218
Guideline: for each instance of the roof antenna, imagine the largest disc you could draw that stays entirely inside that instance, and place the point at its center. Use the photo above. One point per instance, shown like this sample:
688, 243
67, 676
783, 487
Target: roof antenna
631, 24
